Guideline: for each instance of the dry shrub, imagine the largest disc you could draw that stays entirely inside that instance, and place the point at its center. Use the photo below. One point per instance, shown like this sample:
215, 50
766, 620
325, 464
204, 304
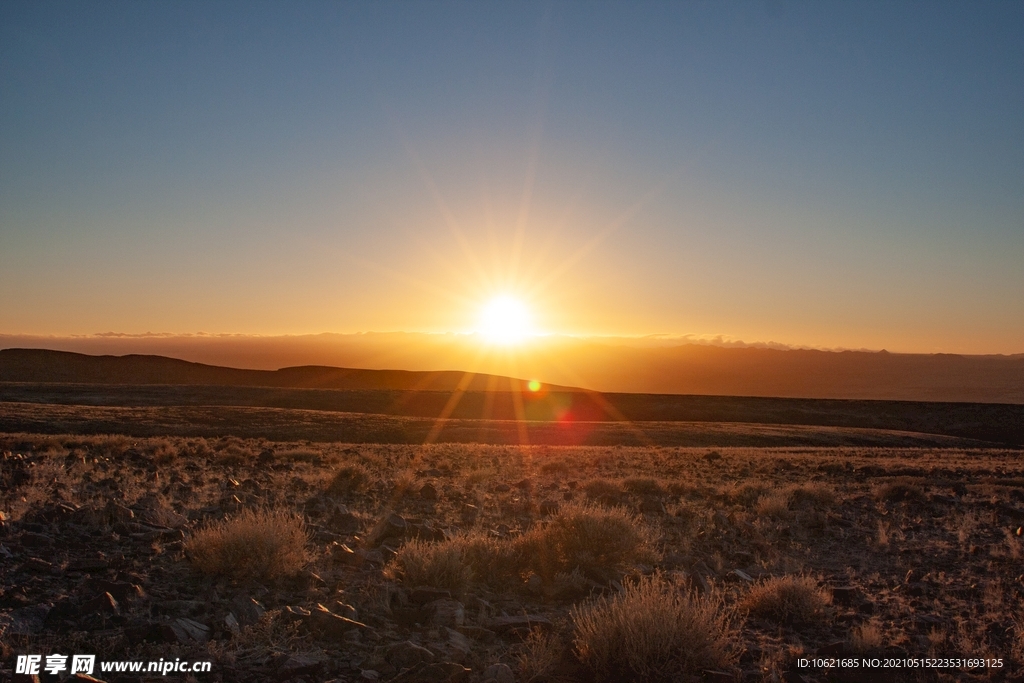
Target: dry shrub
603, 490
440, 565
260, 544
578, 539
299, 455
453, 564
747, 494
643, 487
348, 479
811, 496
590, 538
788, 600
900, 490
538, 655
866, 637
774, 504
654, 631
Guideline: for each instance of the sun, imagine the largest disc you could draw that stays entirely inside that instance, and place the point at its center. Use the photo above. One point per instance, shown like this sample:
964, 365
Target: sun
505, 320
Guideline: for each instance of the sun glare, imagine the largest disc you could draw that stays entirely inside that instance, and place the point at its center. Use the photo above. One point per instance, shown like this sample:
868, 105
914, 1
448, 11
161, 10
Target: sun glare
505, 320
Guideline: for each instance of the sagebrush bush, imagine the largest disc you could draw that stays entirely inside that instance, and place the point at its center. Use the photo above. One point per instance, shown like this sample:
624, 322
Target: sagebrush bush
257, 544
654, 631
788, 600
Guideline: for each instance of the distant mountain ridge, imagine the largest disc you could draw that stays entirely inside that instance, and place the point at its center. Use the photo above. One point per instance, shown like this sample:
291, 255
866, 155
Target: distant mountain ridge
46, 366
691, 369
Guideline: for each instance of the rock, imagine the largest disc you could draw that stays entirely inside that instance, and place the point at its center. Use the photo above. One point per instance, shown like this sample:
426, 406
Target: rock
527, 621
231, 624
499, 673
502, 488
446, 612
88, 565
247, 611
535, 584
844, 595
24, 621
743, 575
441, 672
428, 492
421, 595
265, 457
299, 665
406, 654
342, 554
469, 513
343, 522
120, 590
394, 526
324, 623
101, 604
31, 539
34, 565
458, 645
185, 631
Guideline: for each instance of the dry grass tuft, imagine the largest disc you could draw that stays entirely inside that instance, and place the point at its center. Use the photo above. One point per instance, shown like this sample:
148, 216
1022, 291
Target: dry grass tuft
455, 563
590, 538
643, 486
579, 540
348, 479
440, 565
258, 544
654, 631
900, 490
866, 637
788, 600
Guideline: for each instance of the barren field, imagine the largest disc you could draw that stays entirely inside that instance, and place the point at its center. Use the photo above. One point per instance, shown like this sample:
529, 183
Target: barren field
301, 561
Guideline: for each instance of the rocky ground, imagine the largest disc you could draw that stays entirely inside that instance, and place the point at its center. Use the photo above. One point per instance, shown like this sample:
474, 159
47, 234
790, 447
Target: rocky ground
912, 553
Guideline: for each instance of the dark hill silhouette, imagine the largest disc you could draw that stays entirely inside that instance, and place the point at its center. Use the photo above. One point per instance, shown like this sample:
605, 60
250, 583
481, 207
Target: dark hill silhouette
54, 377
45, 366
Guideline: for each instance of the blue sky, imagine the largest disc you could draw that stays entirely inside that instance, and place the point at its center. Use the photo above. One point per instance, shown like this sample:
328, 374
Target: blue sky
830, 174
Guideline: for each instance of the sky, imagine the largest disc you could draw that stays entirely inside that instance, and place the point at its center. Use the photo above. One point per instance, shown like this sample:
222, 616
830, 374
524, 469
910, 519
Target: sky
832, 175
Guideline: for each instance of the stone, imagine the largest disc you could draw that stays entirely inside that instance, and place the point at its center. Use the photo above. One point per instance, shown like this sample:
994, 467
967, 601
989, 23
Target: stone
428, 492
518, 621
185, 631
247, 610
421, 595
31, 539
406, 654
103, 603
458, 645
88, 565
343, 522
24, 621
844, 595
299, 665
326, 624
394, 526
440, 672
499, 673
446, 612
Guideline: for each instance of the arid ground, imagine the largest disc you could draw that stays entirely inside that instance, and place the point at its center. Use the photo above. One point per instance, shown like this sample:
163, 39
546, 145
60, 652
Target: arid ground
318, 561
